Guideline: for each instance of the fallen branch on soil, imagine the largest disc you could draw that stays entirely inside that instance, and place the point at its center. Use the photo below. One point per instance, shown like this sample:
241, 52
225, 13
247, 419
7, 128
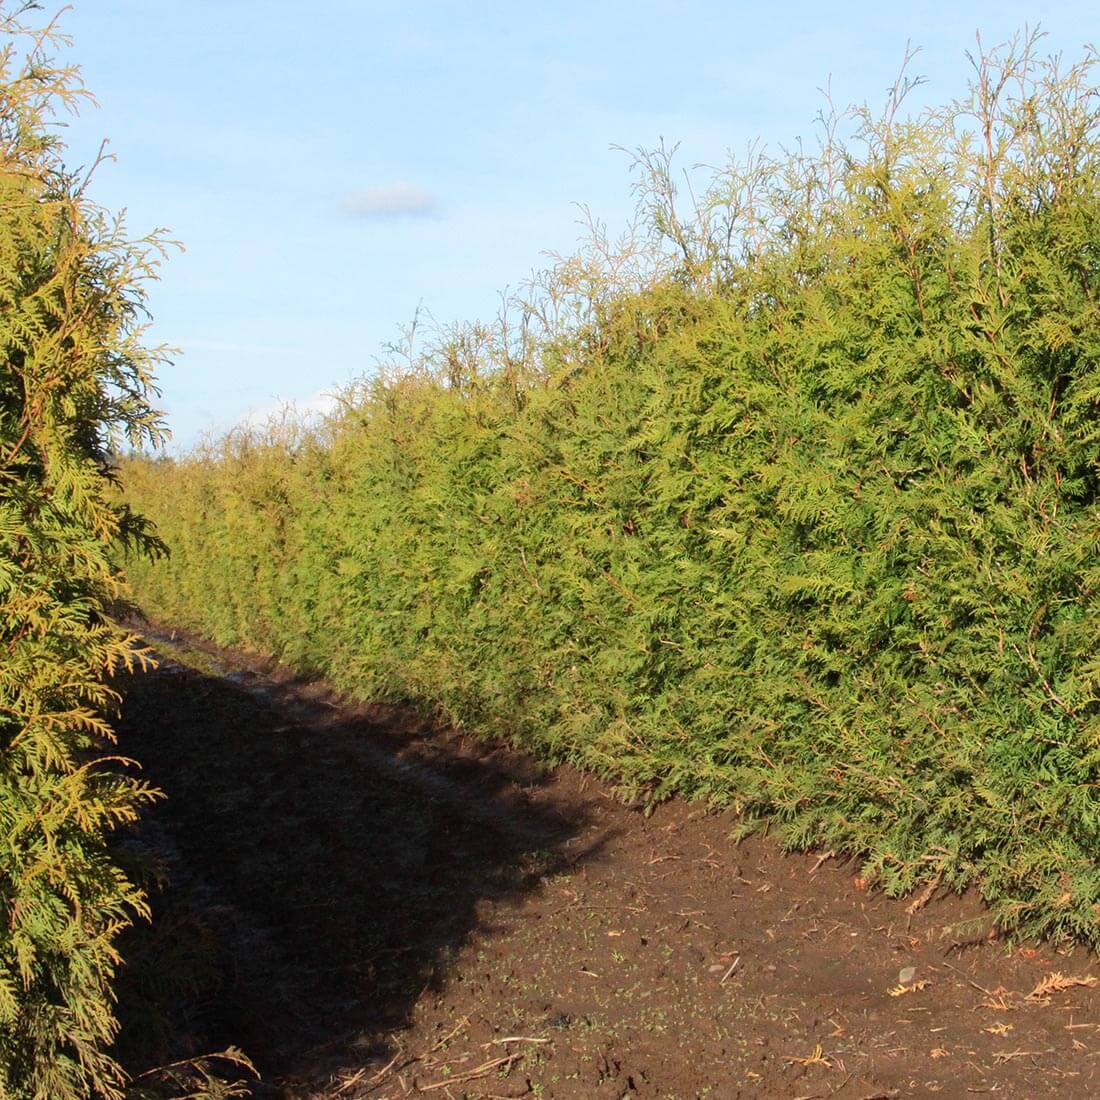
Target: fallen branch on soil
1008, 1055
923, 898
733, 966
463, 1023
969, 981
817, 1058
472, 1075
901, 988
1057, 983
388, 1068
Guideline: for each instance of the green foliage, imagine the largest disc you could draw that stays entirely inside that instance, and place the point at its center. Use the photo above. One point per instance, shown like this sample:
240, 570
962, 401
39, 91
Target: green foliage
74, 382
803, 519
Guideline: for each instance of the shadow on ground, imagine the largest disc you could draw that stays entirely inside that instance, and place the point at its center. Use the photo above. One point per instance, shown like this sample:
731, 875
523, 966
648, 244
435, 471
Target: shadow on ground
322, 866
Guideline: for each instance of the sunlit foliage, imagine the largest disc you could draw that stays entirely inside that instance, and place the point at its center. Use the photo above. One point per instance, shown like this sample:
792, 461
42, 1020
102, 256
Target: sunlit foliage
790, 503
74, 383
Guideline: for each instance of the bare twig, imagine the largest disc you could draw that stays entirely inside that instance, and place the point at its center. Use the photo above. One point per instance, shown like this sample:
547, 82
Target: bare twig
733, 966
979, 988
472, 1075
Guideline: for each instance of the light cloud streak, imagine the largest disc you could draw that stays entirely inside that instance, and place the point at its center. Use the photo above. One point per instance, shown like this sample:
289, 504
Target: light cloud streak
395, 200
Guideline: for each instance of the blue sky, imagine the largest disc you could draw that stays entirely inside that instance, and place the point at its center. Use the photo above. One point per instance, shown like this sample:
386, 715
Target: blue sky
329, 166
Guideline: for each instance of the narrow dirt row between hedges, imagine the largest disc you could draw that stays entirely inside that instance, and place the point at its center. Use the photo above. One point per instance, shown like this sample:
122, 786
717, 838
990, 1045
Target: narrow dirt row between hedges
374, 906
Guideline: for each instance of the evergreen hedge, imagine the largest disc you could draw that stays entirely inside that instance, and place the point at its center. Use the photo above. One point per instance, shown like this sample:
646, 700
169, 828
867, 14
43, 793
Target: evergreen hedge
74, 384
803, 521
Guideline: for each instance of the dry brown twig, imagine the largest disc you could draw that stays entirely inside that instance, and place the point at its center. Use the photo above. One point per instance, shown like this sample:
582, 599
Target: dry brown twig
1008, 1055
970, 981
356, 1077
733, 967
999, 1001
463, 1023
481, 1071
381, 1075
924, 897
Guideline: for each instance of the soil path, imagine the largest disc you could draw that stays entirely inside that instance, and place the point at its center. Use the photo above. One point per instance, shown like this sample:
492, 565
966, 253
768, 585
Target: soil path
376, 907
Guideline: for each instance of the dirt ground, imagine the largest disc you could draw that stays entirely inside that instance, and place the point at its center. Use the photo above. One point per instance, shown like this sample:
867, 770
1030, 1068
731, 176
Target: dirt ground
373, 906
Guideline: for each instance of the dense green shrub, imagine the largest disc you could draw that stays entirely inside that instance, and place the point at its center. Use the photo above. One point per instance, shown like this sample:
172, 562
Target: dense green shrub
805, 522
74, 383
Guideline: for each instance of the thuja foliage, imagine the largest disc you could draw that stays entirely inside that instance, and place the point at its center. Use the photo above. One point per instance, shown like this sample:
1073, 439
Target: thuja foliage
74, 385
793, 507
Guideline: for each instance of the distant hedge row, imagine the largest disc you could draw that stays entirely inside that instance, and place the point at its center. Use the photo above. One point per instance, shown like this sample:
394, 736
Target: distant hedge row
808, 526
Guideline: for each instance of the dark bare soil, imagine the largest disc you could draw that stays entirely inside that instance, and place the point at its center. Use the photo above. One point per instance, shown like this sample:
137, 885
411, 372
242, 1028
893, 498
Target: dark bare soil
376, 907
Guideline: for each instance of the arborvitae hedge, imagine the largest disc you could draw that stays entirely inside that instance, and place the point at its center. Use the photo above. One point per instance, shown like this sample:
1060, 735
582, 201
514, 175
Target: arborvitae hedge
808, 525
74, 382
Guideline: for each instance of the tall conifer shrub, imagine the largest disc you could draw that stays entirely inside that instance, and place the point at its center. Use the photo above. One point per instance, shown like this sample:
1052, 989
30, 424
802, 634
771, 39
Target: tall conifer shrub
74, 383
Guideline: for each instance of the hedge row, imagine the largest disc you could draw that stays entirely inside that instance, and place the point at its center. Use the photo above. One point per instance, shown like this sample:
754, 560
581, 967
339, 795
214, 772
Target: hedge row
74, 382
807, 526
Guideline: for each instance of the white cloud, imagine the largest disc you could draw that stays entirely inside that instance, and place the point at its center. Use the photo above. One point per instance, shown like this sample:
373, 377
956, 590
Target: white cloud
395, 200
317, 406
